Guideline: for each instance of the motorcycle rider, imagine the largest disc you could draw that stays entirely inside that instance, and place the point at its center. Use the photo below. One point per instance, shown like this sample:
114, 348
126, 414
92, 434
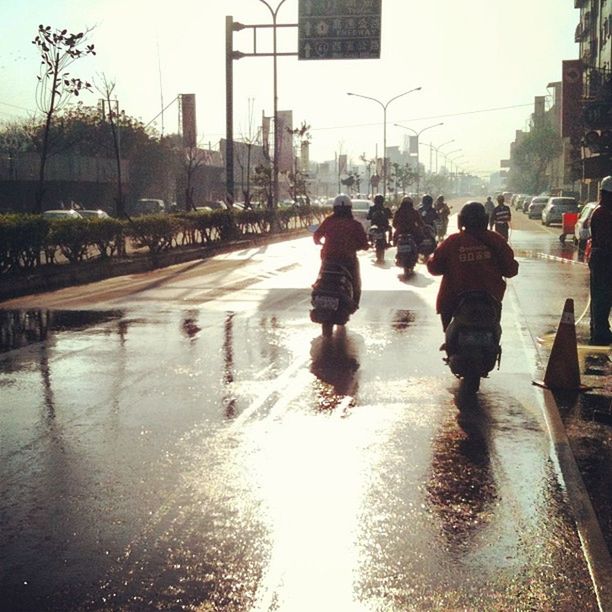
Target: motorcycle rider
379, 214
443, 211
427, 211
600, 265
473, 259
342, 236
408, 221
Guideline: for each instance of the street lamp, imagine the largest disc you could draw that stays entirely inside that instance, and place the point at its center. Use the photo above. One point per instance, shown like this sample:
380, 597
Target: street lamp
438, 149
384, 107
274, 13
417, 134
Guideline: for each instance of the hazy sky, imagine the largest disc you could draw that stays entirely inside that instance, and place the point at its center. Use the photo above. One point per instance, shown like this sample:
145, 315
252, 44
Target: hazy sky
467, 57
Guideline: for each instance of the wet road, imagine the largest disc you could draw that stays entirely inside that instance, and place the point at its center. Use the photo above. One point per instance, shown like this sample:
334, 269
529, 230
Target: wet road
185, 439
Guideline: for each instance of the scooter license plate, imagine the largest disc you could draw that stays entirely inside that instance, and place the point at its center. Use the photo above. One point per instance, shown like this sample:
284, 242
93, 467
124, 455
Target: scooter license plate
326, 302
476, 338
404, 248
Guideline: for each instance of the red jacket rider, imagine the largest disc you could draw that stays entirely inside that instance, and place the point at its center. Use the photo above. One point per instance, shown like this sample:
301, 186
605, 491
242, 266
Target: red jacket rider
474, 259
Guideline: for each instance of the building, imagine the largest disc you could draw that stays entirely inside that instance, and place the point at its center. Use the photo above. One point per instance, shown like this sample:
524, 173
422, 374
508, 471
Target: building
593, 71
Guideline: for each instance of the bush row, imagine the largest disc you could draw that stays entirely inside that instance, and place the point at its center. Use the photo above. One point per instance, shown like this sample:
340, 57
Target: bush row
27, 241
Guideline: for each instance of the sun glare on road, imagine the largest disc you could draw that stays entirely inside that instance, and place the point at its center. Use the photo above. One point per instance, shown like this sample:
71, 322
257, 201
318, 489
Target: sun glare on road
312, 472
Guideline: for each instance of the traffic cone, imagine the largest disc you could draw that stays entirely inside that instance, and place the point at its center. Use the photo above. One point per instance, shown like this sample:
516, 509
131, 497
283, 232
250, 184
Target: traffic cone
563, 371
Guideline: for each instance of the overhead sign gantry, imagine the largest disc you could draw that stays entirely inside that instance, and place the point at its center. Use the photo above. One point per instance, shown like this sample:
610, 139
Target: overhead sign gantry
339, 29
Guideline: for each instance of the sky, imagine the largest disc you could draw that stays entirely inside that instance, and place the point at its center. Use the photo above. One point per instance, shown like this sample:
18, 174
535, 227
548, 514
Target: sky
479, 65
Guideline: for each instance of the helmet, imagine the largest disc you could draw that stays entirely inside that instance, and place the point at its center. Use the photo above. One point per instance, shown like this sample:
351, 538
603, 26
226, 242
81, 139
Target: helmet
427, 200
473, 216
342, 202
407, 201
379, 199
440, 198
606, 184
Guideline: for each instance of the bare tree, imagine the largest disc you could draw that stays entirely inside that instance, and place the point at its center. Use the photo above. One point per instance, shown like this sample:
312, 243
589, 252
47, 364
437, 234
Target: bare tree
111, 115
58, 50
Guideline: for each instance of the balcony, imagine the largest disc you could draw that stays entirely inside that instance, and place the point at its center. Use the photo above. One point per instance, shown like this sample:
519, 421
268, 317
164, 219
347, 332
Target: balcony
598, 84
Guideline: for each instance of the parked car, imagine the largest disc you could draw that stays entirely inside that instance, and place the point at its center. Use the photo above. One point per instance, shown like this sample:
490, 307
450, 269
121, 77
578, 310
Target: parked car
94, 214
61, 214
555, 207
534, 210
582, 229
212, 205
525, 203
146, 206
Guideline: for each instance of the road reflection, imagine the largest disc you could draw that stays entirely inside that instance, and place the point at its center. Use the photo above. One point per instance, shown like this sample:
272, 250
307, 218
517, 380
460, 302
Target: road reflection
20, 328
335, 362
461, 490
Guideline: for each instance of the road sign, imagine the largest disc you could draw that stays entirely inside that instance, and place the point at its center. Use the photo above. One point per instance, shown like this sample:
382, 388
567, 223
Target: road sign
598, 115
339, 29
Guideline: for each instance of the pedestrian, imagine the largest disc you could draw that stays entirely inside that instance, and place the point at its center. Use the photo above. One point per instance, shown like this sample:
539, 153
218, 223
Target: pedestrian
489, 207
501, 217
600, 266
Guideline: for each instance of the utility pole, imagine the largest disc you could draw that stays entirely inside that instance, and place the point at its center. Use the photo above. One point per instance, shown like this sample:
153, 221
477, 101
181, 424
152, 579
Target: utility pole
229, 106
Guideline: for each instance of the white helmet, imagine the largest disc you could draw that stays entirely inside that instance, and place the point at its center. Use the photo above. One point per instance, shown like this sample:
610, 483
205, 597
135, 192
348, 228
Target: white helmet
606, 184
343, 202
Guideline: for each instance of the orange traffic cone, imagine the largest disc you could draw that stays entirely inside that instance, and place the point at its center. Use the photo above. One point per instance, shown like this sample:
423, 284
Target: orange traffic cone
563, 371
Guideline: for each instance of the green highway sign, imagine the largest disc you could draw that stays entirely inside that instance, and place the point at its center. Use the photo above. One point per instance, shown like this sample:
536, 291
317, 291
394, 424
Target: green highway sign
339, 29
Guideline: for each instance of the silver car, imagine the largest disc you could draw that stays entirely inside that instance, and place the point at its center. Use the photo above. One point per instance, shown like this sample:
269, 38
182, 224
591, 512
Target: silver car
534, 210
555, 207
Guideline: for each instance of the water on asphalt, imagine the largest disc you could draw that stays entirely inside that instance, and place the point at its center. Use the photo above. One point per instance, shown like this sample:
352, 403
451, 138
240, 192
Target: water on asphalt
231, 459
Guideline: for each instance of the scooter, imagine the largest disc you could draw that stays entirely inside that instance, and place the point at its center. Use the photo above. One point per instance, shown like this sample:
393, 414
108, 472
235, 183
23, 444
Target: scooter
407, 253
473, 339
378, 239
428, 245
332, 297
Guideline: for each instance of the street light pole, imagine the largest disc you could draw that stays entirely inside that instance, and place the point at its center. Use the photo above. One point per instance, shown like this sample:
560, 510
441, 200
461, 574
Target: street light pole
274, 13
417, 134
384, 106
438, 148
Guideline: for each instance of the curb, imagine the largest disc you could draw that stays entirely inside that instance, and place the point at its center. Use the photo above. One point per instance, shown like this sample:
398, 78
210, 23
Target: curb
593, 543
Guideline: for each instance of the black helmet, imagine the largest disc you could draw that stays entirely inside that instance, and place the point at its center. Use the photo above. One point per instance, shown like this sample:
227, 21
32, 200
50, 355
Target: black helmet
473, 216
379, 199
427, 200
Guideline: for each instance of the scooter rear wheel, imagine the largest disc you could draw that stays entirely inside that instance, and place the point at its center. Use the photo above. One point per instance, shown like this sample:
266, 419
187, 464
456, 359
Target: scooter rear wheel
470, 384
327, 329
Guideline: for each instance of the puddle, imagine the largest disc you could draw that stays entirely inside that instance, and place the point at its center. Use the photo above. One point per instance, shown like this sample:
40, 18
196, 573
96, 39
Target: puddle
19, 328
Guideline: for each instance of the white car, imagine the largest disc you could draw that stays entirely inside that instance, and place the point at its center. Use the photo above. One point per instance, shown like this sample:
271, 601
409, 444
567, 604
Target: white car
360, 212
582, 229
61, 214
94, 214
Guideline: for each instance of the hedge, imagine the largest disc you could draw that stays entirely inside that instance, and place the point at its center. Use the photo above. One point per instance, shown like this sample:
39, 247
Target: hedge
27, 241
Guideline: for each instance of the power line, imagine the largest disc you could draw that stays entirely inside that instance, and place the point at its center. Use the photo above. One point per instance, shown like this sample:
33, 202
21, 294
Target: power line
474, 112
